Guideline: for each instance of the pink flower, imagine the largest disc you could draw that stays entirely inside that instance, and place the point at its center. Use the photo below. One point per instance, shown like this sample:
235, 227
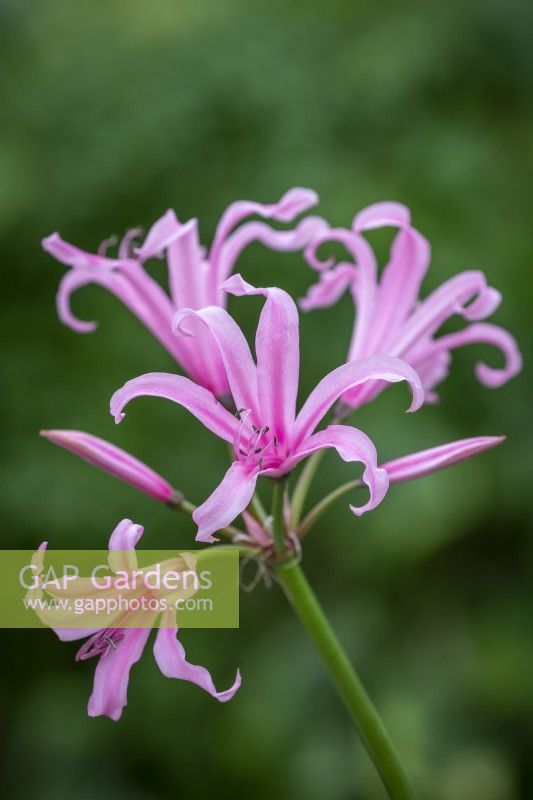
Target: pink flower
118, 648
267, 436
391, 320
416, 465
116, 462
194, 277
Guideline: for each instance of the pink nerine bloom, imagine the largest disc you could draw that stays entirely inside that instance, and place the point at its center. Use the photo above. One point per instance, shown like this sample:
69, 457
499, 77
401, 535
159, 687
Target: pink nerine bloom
416, 465
118, 648
115, 461
267, 436
390, 320
194, 276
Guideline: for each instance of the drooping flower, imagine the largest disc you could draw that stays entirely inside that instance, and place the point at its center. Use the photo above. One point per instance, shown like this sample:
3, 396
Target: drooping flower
267, 436
424, 462
117, 647
390, 320
116, 462
194, 276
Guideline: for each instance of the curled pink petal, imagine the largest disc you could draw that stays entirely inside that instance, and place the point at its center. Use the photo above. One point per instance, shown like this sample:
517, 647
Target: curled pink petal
425, 462
230, 498
352, 445
170, 658
485, 333
158, 238
194, 398
380, 215
329, 288
337, 382
113, 460
125, 536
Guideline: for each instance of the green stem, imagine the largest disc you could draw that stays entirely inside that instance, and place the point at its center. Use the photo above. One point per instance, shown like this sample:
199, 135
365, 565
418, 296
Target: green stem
256, 507
316, 512
349, 686
278, 525
302, 487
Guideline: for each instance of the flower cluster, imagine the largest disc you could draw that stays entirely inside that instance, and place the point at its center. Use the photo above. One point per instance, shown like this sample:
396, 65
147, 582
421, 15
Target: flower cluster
250, 402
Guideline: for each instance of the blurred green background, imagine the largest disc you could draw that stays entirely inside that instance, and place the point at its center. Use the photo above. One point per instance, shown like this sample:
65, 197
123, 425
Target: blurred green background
113, 112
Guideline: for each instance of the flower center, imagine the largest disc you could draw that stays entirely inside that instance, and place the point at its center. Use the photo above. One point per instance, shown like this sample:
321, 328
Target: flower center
255, 446
101, 643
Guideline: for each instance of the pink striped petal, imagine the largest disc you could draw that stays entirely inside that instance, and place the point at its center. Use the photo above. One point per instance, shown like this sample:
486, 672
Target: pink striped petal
199, 401
352, 445
329, 288
416, 465
485, 333
229, 499
239, 365
170, 657
352, 374
160, 235
113, 460
381, 215
111, 678
283, 240
293, 203
277, 346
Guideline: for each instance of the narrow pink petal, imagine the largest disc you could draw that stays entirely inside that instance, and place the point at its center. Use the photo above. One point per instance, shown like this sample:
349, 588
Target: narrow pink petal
255, 530
199, 401
354, 373
72, 256
189, 273
329, 288
466, 294
277, 346
380, 215
159, 236
229, 499
293, 203
425, 462
111, 677
170, 657
352, 445
113, 460
485, 333
125, 536
285, 240
399, 288
239, 365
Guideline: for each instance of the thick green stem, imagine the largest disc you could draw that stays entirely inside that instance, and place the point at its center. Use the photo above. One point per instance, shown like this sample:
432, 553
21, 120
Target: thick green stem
349, 686
322, 506
302, 487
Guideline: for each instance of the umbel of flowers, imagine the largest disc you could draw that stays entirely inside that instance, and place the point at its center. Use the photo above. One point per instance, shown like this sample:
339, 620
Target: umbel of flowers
250, 402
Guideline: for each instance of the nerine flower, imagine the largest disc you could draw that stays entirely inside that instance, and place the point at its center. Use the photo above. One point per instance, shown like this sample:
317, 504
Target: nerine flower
194, 276
390, 319
118, 648
266, 434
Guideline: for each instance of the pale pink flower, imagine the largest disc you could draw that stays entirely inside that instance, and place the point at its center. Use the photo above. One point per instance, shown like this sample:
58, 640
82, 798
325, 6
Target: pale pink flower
115, 461
194, 276
267, 436
390, 319
116, 647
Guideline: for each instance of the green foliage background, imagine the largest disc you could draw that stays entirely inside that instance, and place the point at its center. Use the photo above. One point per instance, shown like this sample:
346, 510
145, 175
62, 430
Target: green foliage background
111, 113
